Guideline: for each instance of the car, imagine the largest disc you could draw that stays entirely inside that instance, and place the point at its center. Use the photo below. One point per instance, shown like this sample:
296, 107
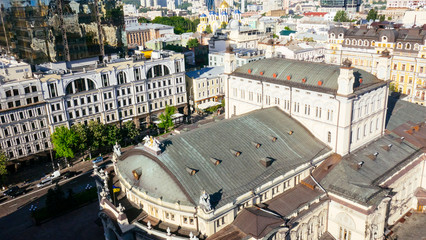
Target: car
98, 160
10, 190
44, 182
69, 174
17, 192
14, 192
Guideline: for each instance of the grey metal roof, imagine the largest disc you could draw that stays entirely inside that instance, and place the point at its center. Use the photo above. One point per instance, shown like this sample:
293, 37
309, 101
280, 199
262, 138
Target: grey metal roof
400, 112
234, 175
298, 70
362, 185
207, 72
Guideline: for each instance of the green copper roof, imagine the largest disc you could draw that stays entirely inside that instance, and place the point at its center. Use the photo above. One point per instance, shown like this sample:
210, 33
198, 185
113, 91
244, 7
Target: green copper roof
233, 176
363, 184
299, 70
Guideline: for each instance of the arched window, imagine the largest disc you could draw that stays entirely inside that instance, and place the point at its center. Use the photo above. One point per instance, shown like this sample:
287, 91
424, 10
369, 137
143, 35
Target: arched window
360, 42
373, 43
158, 71
384, 39
416, 46
408, 46
329, 137
121, 77
341, 35
332, 35
353, 42
399, 45
79, 85
366, 43
348, 41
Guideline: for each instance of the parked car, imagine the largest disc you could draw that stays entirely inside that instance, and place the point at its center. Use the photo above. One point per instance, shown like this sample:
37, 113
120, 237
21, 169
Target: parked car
98, 160
44, 182
10, 190
47, 180
14, 192
17, 192
69, 174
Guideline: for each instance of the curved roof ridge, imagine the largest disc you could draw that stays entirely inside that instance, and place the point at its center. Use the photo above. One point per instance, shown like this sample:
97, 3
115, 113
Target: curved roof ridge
137, 151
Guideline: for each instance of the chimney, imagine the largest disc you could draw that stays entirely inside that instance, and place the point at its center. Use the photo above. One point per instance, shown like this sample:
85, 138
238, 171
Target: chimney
270, 49
228, 61
346, 79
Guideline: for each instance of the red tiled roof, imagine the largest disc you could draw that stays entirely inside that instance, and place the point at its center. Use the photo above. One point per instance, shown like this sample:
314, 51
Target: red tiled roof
315, 14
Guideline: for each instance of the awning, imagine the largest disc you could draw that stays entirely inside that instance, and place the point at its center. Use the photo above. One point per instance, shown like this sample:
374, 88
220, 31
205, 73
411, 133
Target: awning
156, 121
177, 115
207, 105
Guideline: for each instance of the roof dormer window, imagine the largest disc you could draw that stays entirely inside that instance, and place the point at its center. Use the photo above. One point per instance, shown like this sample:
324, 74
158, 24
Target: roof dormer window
384, 39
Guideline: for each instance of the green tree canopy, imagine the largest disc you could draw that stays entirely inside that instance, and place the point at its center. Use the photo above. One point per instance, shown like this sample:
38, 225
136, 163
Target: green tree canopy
98, 135
192, 43
83, 136
130, 130
372, 15
382, 18
180, 24
185, 5
166, 120
143, 20
223, 25
287, 28
3, 163
209, 29
113, 135
64, 142
341, 16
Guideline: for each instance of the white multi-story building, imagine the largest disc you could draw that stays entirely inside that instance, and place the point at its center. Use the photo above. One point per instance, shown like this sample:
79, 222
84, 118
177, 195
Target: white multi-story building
125, 89
413, 4
23, 119
242, 56
343, 107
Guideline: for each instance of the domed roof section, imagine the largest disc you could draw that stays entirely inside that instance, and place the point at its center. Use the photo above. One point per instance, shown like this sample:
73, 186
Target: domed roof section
203, 15
234, 24
237, 11
224, 4
391, 34
224, 13
153, 174
212, 13
292, 72
337, 30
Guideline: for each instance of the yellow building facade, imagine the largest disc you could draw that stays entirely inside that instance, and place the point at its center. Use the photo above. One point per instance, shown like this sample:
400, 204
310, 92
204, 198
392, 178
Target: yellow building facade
406, 67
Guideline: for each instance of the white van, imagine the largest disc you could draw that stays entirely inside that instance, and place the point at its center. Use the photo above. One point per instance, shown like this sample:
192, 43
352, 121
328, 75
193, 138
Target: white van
44, 182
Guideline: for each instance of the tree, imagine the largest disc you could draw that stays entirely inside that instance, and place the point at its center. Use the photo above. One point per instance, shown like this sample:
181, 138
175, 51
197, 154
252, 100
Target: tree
209, 29
223, 25
55, 198
372, 15
98, 136
166, 120
389, 18
83, 134
3, 163
341, 16
192, 43
64, 141
382, 18
113, 134
185, 5
287, 28
143, 20
130, 130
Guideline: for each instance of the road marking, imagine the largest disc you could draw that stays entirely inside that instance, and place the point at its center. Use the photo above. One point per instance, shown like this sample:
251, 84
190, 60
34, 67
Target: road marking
38, 190
13, 205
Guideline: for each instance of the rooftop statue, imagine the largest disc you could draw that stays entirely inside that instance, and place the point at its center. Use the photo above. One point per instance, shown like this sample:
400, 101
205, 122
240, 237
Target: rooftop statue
117, 149
205, 201
151, 143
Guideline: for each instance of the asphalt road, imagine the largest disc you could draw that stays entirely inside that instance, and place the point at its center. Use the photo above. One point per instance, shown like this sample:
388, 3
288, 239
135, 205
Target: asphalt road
15, 215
